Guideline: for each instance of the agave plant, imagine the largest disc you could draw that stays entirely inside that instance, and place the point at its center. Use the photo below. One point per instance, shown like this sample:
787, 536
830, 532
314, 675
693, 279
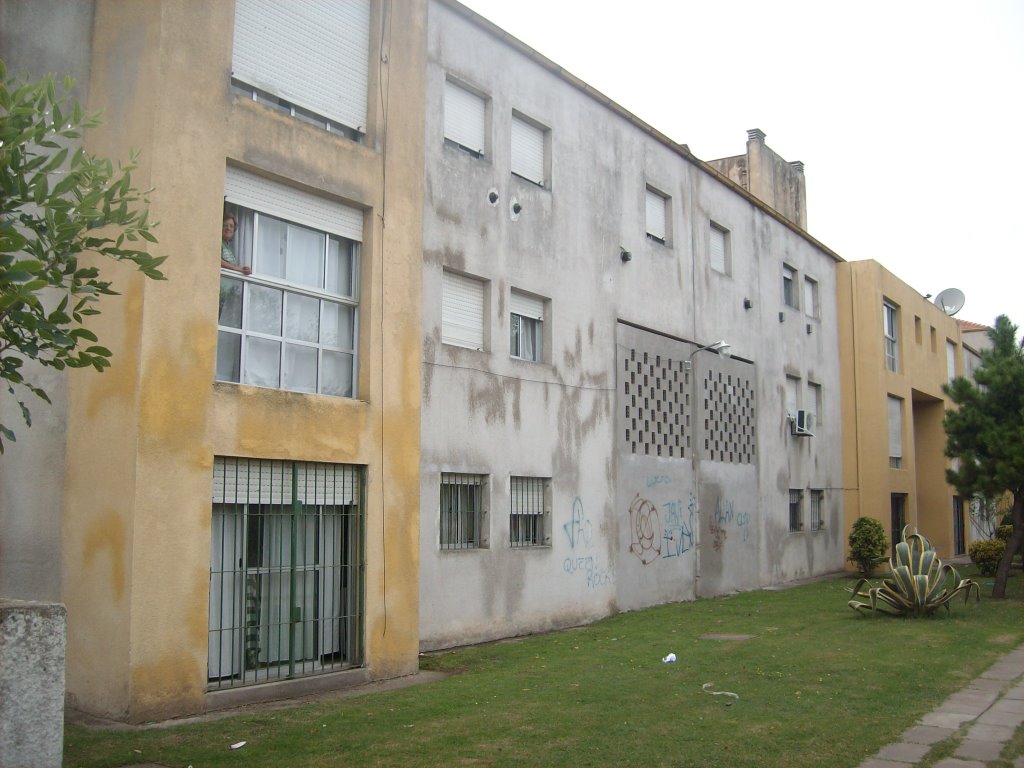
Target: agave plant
918, 583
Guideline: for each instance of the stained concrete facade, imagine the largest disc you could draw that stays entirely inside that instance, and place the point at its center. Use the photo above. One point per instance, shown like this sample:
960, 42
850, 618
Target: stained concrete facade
928, 351
134, 468
662, 483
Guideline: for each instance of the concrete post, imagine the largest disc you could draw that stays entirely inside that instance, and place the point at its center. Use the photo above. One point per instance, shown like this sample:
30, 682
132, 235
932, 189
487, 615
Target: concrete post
32, 643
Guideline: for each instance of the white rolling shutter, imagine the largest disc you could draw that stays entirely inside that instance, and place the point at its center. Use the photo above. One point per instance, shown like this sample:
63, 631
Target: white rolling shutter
465, 117
462, 311
260, 194
717, 249
656, 215
313, 53
526, 306
895, 428
266, 481
527, 150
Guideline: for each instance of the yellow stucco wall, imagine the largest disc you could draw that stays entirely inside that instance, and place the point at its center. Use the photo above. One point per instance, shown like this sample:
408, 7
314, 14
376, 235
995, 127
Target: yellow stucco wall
142, 436
869, 482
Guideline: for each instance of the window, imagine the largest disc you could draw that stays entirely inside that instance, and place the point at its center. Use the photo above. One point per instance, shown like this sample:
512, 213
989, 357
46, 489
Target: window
811, 306
889, 318
792, 395
719, 250
895, 432
796, 510
526, 327
789, 287
465, 119
463, 516
897, 518
529, 512
950, 360
656, 207
311, 59
286, 570
917, 330
817, 508
813, 404
462, 311
293, 322
528, 142
959, 528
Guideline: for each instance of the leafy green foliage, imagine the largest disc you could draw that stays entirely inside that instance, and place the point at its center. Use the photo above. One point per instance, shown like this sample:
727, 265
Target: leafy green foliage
986, 554
1004, 532
58, 203
868, 544
918, 583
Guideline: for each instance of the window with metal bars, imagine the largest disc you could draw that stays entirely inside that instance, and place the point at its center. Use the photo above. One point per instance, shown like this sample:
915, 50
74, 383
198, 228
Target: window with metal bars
286, 570
817, 507
529, 512
796, 510
463, 514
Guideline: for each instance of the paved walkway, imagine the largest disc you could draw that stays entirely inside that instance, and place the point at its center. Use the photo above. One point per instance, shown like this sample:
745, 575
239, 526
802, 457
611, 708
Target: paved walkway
979, 720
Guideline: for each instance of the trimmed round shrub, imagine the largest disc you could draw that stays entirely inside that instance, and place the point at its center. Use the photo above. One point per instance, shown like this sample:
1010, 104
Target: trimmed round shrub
986, 554
1003, 533
868, 544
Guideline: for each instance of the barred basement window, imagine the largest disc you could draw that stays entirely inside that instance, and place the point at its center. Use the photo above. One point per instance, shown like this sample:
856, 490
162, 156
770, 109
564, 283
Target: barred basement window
796, 511
463, 517
529, 512
817, 507
286, 570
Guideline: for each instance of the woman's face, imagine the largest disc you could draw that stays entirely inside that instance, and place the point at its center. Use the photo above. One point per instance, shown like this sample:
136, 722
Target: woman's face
229, 229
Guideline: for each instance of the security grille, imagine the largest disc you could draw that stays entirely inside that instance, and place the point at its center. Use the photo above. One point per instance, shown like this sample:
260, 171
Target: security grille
286, 570
817, 502
529, 512
462, 511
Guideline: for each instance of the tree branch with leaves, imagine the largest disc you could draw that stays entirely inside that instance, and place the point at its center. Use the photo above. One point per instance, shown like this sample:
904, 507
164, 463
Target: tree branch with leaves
58, 203
986, 433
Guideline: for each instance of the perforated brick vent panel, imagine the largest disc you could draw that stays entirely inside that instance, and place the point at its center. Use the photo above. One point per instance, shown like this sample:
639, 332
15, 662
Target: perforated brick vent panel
656, 393
729, 418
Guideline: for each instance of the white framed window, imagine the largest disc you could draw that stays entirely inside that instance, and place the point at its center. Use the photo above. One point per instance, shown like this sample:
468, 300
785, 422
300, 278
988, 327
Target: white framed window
950, 360
719, 255
529, 512
293, 322
796, 510
813, 403
789, 287
526, 327
529, 142
895, 417
890, 319
817, 508
656, 213
811, 306
309, 56
463, 511
463, 306
465, 119
792, 396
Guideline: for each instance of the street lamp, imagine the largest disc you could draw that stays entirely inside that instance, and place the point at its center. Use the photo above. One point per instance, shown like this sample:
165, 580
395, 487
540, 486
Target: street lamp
723, 348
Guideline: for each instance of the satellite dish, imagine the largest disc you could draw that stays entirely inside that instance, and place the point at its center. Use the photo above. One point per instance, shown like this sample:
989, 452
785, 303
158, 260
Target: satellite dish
950, 301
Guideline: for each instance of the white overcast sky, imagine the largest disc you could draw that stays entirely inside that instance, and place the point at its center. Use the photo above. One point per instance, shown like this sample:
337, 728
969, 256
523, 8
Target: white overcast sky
908, 115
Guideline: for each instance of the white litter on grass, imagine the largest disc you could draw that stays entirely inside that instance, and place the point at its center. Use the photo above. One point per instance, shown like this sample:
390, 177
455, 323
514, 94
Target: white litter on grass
707, 689
237, 745
670, 658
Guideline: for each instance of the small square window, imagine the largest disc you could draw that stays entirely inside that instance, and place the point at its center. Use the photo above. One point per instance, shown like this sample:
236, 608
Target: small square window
811, 306
526, 327
529, 153
465, 119
529, 512
463, 515
719, 256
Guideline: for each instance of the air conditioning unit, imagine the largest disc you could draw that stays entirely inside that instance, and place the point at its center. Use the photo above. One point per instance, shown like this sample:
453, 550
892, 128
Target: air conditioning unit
802, 423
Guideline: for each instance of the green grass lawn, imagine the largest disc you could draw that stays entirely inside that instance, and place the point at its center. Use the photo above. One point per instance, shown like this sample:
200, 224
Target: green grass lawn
818, 686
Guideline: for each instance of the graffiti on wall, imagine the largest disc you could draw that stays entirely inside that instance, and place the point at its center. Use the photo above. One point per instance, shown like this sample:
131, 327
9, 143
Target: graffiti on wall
725, 517
678, 530
661, 533
580, 533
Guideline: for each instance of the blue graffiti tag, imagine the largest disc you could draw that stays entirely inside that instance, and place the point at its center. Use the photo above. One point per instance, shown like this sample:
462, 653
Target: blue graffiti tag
578, 529
678, 532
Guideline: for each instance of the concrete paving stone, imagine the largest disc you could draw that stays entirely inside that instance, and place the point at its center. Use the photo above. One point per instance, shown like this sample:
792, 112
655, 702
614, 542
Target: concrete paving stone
982, 684
1017, 692
1008, 705
990, 732
1000, 717
926, 734
1019, 762
904, 753
1002, 671
956, 762
978, 750
969, 702
874, 762
945, 719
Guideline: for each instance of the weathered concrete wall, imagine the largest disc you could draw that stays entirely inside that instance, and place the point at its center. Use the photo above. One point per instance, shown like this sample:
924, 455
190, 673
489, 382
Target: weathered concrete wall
486, 413
32, 639
30, 512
